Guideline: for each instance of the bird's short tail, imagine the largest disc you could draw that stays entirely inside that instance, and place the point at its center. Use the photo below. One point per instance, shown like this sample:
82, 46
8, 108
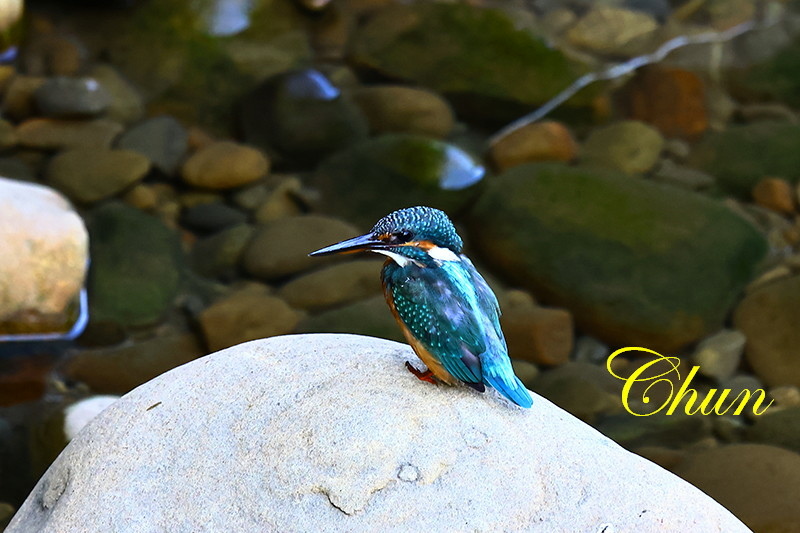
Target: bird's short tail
513, 390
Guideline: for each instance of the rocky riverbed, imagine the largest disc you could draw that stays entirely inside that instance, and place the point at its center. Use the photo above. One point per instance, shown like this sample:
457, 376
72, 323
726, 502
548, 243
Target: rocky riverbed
204, 158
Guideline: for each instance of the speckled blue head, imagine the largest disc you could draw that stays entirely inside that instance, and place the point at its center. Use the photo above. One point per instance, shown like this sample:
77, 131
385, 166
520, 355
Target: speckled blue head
421, 224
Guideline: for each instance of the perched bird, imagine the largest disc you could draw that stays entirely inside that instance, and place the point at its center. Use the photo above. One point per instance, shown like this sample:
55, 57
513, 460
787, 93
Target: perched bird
446, 310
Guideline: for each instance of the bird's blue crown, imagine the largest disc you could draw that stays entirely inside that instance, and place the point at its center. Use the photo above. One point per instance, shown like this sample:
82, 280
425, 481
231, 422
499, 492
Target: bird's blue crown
422, 224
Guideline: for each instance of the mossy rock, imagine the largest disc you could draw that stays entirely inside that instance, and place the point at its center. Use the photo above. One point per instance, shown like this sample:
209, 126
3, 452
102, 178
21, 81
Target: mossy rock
637, 263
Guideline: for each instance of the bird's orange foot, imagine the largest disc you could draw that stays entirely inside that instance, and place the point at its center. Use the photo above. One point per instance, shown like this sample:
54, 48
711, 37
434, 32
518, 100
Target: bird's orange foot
422, 376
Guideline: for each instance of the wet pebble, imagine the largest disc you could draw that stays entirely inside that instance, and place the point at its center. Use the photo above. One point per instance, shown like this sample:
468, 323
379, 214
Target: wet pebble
630, 146
541, 335
163, 140
125, 102
334, 285
218, 255
18, 98
212, 216
719, 355
398, 109
55, 134
280, 248
776, 194
63, 97
540, 141
232, 320
224, 165
608, 29
87, 176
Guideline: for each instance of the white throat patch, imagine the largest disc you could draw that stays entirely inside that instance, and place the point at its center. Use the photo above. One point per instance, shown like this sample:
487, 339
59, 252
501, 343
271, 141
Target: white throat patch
443, 254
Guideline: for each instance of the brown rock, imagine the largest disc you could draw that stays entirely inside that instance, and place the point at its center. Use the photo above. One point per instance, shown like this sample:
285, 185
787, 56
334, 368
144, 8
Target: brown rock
540, 141
121, 369
24, 378
609, 29
776, 194
759, 484
18, 101
396, 109
280, 248
224, 165
88, 176
769, 316
53, 134
335, 285
537, 334
671, 99
245, 315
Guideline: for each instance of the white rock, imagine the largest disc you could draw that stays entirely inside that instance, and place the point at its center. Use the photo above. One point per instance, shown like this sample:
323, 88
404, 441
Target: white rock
44, 250
719, 355
77, 415
331, 433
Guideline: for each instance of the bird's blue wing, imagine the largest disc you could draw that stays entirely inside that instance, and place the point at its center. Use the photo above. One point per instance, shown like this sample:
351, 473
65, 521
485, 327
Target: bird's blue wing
454, 313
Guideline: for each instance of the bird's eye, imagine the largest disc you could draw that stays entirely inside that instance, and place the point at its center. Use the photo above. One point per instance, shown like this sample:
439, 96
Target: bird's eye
400, 237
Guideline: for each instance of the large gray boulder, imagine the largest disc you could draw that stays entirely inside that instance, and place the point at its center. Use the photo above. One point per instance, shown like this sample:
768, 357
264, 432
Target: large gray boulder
331, 433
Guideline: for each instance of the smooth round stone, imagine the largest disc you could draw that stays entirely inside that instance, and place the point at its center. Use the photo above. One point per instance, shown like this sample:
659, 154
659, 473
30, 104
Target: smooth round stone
224, 165
212, 216
301, 114
281, 201
406, 170
8, 135
776, 194
119, 369
768, 316
45, 253
541, 141
18, 99
540, 335
370, 317
63, 97
272, 436
630, 146
88, 176
609, 29
218, 255
126, 104
719, 355
398, 109
777, 427
245, 315
163, 140
583, 389
54, 134
760, 484
334, 285
281, 247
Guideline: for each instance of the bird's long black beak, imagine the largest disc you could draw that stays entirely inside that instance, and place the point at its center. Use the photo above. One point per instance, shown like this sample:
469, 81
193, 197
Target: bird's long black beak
363, 242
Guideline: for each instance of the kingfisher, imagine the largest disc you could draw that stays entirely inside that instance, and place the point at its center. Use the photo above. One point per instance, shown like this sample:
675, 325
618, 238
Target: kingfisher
445, 308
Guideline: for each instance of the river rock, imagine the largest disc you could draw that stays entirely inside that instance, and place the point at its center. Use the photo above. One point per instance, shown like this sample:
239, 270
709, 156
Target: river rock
541, 141
610, 30
244, 315
89, 175
67, 97
281, 247
125, 105
672, 100
537, 334
719, 355
288, 442
302, 115
119, 369
218, 255
53, 134
630, 276
44, 259
366, 317
470, 53
224, 165
768, 316
630, 146
759, 484
407, 170
776, 194
741, 155
334, 285
398, 109
163, 140
18, 99
778, 427
137, 265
